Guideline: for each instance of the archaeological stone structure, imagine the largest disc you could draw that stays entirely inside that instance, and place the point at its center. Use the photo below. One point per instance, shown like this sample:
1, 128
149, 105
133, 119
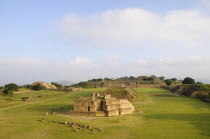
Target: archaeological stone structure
46, 85
100, 104
130, 84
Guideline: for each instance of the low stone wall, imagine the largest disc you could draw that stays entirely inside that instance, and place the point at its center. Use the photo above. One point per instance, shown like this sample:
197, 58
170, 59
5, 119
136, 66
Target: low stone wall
126, 111
101, 113
130, 84
88, 114
113, 113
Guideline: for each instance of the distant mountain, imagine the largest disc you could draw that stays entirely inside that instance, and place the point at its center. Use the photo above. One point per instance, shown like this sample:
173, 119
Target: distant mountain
64, 82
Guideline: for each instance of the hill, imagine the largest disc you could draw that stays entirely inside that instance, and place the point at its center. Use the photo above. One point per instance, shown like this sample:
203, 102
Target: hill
201, 91
123, 81
122, 92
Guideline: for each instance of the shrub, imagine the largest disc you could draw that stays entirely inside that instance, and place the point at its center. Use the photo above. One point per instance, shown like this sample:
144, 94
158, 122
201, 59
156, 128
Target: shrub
7, 92
11, 88
188, 80
174, 79
168, 82
27, 86
162, 78
56, 85
37, 87
24, 98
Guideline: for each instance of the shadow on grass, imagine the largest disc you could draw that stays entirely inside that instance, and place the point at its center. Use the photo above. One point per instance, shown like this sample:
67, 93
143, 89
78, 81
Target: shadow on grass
60, 108
200, 121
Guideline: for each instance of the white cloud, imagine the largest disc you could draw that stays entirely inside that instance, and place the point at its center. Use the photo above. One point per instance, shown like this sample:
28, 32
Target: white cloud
81, 60
179, 67
137, 27
142, 62
113, 57
206, 2
21, 61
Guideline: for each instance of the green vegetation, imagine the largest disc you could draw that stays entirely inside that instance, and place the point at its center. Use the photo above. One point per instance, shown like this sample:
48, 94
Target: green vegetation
121, 92
188, 80
200, 91
59, 86
168, 82
37, 87
173, 81
158, 114
10, 88
97, 83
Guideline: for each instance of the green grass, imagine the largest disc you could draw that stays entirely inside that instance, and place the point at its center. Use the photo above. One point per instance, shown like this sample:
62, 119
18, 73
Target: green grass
165, 116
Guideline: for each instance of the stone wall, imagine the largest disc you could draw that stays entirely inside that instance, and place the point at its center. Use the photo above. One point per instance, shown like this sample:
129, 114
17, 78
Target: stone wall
129, 84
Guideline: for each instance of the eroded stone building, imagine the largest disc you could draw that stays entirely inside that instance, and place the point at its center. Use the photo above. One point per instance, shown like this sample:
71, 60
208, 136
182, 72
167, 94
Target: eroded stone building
45, 85
101, 105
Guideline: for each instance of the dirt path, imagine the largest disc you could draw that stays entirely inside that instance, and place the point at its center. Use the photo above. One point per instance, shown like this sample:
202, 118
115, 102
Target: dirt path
10, 107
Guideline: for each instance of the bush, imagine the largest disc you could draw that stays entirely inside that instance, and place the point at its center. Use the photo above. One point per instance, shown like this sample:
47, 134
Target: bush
168, 82
188, 80
24, 98
174, 79
11, 87
56, 85
27, 86
162, 78
7, 92
37, 87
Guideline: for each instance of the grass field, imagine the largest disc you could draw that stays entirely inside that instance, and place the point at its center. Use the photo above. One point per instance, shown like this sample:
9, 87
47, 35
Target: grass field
158, 114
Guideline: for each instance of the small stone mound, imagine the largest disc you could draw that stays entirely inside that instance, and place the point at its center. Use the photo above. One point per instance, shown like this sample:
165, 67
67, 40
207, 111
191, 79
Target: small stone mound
45, 85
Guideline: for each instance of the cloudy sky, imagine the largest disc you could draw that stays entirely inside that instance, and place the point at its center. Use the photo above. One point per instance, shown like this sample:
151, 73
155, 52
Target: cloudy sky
76, 40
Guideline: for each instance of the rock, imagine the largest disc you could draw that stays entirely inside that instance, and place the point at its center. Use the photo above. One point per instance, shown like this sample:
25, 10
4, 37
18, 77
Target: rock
140, 112
53, 112
45, 85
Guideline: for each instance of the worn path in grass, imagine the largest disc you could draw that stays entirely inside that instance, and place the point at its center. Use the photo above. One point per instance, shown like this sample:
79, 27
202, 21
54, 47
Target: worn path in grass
158, 114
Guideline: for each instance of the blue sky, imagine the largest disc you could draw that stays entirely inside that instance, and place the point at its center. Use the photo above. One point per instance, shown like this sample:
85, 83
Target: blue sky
78, 40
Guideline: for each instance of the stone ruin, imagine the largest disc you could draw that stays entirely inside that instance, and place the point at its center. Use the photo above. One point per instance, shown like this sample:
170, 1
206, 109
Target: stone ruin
75, 89
46, 85
101, 105
129, 84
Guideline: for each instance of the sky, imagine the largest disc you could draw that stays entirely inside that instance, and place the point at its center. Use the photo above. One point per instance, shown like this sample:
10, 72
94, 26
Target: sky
77, 40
